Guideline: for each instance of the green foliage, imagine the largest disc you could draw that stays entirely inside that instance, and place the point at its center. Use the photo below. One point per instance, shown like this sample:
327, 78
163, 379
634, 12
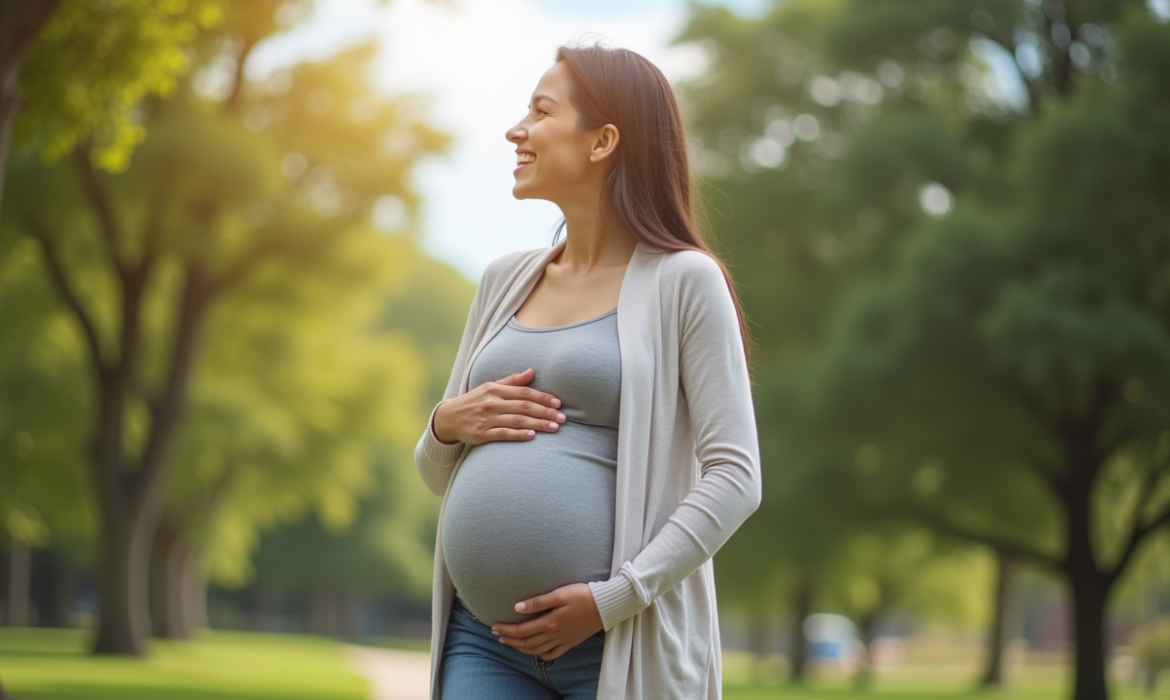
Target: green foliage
910, 570
389, 549
304, 394
1151, 645
927, 364
44, 492
1036, 313
94, 62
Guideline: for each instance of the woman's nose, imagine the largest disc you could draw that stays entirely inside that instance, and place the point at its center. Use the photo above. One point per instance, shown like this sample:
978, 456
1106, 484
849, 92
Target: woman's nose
513, 134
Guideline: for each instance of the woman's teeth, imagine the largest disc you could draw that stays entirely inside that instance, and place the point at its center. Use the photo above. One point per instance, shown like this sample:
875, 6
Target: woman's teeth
523, 158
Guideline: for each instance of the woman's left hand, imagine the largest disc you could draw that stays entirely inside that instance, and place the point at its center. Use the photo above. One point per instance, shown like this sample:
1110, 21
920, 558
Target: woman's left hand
572, 618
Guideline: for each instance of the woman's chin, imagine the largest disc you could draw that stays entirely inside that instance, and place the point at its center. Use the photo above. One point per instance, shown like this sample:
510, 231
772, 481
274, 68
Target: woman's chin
522, 192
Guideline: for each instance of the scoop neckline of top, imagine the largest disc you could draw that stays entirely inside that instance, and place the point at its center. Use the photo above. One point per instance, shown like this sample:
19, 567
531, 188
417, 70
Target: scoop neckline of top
513, 323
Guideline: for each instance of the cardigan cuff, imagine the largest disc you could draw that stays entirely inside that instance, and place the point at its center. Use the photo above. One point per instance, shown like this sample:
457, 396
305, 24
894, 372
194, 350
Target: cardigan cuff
438, 451
616, 599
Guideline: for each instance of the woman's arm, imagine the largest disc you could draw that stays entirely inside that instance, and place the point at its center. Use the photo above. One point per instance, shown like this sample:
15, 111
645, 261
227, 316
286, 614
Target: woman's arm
714, 378
434, 459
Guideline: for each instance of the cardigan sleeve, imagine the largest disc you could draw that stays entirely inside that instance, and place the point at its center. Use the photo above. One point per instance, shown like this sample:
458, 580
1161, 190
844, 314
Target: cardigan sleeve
716, 384
435, 459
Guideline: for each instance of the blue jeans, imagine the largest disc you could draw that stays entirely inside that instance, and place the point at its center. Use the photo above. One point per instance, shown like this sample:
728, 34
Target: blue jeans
476, 666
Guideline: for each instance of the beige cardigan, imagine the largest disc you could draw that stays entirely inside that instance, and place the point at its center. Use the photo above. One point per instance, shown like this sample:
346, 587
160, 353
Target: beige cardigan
688, 465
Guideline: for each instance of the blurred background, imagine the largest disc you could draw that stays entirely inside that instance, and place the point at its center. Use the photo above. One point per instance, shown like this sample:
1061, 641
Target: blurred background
239, 241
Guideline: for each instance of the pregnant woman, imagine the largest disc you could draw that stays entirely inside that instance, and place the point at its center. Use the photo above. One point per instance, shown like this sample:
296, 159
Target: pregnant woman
596, 444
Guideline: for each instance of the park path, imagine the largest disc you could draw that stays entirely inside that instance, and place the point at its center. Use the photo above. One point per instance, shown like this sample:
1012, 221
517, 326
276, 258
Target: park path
394, 675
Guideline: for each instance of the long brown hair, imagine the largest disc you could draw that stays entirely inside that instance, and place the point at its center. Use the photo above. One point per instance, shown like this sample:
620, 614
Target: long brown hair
648, 191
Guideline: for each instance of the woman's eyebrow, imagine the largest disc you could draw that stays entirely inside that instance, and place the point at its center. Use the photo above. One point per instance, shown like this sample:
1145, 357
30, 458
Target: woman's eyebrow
538, 98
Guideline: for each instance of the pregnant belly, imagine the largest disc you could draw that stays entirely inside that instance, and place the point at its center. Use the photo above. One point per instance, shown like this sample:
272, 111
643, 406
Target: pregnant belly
523, 518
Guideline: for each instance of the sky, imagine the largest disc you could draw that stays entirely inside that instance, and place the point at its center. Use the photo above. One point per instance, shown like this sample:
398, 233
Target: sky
480, 60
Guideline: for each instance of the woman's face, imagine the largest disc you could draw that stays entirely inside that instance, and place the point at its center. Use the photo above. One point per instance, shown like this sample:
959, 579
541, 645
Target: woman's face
552, 154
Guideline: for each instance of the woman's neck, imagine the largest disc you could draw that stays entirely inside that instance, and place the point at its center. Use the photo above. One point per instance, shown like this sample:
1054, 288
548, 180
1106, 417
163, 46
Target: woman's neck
592, 241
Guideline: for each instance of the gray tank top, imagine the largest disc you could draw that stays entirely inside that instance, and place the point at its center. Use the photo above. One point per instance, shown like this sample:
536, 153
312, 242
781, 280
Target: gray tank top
525, 517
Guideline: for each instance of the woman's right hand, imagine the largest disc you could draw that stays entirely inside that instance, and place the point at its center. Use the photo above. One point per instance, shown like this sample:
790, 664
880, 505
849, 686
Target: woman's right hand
505, 409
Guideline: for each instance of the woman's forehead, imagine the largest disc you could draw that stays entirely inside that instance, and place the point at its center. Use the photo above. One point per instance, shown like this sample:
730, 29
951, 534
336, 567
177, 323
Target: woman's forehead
553, 84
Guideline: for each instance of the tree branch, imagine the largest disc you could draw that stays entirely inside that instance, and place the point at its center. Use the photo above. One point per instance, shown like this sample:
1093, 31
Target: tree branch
103, 209
1060, 60
152, 232
167, 407
61, 283
232, 103
945, 525
1137, 534
239, 270
1043, 468
1138, 531
20, 22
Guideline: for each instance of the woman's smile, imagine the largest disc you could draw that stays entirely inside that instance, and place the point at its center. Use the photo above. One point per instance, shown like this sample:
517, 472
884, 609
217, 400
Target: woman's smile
523, 158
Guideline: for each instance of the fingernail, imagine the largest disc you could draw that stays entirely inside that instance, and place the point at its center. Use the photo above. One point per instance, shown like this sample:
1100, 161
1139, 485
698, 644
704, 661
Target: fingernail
556, 403
560, 416
553, 425
495, 633
521, 607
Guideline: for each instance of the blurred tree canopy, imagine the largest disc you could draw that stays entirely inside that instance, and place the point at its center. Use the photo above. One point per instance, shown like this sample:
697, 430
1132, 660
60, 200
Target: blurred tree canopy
390, 549
219, 313
93, 63
74, 72
948, 221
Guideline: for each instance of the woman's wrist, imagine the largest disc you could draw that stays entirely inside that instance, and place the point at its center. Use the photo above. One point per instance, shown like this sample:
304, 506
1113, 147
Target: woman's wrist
438, 429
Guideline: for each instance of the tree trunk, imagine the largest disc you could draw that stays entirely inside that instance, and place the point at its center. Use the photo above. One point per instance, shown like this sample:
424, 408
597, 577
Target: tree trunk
761, 628
193, 593
20, 22
801, 609
64, 590
123, 613
1089, 588
1089, 597
325, 613
131, 503
166, 581
18, 575
1003, 622
178, 587
866, 624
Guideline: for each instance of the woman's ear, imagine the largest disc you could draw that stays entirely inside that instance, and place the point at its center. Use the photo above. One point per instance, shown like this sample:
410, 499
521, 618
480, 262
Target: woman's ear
604, 143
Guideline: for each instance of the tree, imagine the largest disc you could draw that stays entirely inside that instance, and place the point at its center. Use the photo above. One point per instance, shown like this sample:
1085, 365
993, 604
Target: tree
196, 216
389, 549
19, 23
42, 501
833, 134
763, 146
275, 434
49, 77
1040, 310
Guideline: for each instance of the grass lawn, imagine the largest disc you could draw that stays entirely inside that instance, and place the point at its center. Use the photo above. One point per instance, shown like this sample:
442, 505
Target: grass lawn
918, 681
43, 664
40, 664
